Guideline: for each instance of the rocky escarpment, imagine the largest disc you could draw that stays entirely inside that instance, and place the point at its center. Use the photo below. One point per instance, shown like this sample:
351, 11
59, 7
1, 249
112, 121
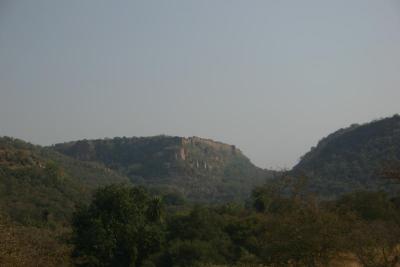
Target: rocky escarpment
201, 169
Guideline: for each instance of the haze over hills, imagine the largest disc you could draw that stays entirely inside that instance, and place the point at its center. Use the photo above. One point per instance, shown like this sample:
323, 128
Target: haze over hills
353, 158
41, 187
200, 169
38, 182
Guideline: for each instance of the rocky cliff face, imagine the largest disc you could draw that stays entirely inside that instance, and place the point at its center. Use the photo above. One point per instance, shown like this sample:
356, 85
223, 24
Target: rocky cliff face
163, 153
206, 154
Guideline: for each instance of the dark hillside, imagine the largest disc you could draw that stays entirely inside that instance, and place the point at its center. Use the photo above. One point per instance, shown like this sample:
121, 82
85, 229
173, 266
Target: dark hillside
353, 158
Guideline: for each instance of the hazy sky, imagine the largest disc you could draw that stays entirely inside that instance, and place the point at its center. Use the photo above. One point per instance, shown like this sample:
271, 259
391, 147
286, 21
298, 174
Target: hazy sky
271, 77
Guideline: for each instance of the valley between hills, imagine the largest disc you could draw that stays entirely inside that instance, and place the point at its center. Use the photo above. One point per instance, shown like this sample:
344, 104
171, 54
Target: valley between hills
349, 180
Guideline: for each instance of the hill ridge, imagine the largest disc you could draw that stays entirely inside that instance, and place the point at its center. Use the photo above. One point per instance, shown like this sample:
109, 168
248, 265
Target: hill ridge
195, 166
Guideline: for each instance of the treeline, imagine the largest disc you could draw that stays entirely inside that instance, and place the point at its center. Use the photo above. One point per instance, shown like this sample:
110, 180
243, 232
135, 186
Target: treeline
279, 226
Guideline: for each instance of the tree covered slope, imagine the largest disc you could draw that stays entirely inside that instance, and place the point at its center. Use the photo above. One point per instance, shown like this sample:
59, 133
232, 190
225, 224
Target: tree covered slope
353, 158
39, 186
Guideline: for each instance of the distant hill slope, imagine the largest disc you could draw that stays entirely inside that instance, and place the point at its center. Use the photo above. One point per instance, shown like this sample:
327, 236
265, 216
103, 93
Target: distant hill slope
39, 186
201, 169
353, 158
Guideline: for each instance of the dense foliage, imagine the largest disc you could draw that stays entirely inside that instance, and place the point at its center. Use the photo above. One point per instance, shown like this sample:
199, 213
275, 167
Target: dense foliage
275, 230
353, 158
121, 227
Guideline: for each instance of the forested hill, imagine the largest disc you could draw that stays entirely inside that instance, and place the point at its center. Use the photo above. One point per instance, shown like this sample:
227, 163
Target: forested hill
40, 186
353, 158
200, 169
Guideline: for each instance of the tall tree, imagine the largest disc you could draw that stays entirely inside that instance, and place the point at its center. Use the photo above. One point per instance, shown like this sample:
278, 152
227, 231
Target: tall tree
121, 227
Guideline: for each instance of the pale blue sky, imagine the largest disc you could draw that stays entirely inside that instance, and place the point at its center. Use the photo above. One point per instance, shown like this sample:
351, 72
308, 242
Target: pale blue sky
271, 77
